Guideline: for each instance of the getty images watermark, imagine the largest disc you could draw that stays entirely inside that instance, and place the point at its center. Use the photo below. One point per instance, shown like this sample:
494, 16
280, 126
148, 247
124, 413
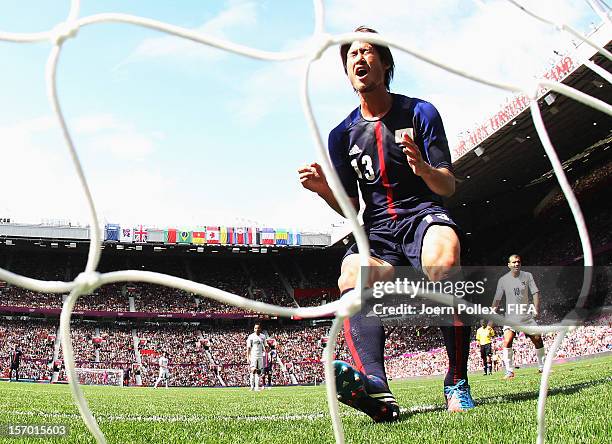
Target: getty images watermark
533, 296
411, 289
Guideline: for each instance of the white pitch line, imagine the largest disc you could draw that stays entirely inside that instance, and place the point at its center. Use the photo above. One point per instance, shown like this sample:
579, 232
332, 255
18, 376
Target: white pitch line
178, 418
309, 417
200, 418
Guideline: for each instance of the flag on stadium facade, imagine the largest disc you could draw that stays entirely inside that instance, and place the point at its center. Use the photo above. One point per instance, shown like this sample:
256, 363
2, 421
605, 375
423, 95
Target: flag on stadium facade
126, 234
252, 236
226, 235
155, 235
281, 237
212, 235
266, 236
198, 237
170, 236
239, 236
140, 234
184, 237
111, 232
294, 238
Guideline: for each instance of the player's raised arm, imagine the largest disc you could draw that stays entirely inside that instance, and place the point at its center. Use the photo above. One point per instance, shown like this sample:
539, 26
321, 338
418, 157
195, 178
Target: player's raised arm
313, 178
439, 180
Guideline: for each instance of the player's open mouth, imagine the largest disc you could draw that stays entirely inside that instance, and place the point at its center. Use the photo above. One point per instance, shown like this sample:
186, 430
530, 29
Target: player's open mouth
361, 72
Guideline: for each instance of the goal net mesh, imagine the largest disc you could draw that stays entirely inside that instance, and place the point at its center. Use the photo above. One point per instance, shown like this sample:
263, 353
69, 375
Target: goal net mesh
320, 41
99, 376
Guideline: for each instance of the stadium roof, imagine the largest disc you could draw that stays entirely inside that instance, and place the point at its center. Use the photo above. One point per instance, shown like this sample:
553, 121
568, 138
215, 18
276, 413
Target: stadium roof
513, 165
515, 152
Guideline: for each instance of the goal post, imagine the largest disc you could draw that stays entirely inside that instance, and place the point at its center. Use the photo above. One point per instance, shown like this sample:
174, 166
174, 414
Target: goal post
100, 376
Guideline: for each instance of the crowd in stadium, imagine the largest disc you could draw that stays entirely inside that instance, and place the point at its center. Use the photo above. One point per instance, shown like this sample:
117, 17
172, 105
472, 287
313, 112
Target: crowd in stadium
101, 343
21, 297
583, 341
151, 298
198, 354
258, 280
561, 244
36, 339
209, 353
106, 298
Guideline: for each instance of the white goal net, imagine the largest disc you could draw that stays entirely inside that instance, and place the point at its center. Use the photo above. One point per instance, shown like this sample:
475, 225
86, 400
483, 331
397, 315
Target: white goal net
99, 376
311, 51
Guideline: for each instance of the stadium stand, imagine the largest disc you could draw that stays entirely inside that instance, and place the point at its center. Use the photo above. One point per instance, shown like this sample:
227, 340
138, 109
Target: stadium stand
410, 352
122, 325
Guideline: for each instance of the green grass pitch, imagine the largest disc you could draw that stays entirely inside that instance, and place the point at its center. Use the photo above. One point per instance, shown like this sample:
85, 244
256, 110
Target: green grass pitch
578, 410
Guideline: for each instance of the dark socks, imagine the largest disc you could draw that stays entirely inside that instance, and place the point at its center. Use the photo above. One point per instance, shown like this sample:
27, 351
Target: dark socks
365, 339
457, 342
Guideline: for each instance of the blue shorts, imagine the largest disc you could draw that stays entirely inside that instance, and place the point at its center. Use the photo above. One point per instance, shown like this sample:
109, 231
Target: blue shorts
399, 242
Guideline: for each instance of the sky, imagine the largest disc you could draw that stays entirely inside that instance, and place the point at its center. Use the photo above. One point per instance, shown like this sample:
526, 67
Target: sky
176, 134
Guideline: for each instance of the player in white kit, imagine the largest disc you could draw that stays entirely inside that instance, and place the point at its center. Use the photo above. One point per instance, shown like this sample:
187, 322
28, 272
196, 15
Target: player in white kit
256, 349
517, 285
164, 372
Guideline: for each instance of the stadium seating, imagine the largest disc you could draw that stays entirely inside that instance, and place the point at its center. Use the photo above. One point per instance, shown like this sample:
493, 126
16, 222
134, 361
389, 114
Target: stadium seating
211, 351
410, 352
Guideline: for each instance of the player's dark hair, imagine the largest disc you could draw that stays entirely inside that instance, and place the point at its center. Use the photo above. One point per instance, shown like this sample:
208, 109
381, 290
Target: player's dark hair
383, 51
514, 255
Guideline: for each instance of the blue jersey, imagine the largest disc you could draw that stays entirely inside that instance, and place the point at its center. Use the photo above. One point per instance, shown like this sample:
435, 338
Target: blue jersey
368, 153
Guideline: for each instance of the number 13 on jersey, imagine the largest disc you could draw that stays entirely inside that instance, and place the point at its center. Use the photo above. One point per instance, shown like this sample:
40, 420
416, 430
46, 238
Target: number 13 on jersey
366, 162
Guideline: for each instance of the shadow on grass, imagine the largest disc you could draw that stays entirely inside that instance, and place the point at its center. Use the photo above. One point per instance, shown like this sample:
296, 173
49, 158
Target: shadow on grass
407, 413
532, 395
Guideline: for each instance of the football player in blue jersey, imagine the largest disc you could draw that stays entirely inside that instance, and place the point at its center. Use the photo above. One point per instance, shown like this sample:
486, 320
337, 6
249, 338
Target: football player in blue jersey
394, 149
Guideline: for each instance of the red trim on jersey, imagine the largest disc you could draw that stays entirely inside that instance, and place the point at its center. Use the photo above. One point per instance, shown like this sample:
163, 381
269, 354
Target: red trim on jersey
351, 345
383, 170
